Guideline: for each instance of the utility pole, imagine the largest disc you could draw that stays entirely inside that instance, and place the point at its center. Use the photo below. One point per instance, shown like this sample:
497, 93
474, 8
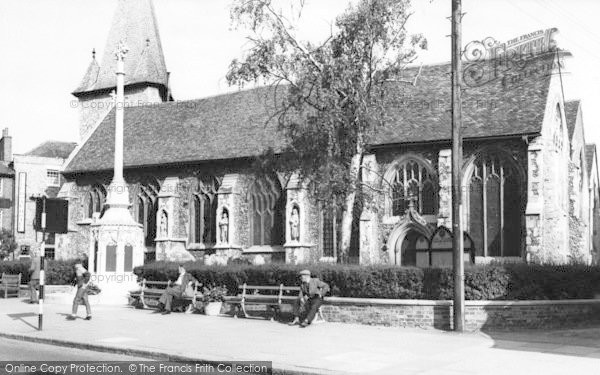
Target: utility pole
457, 240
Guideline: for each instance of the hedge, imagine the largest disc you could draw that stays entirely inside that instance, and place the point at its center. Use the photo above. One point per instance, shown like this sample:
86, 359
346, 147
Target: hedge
489, 282
58, 272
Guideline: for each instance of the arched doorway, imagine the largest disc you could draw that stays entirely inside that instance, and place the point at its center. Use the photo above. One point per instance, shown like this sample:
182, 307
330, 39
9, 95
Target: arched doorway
408, 245
407, 250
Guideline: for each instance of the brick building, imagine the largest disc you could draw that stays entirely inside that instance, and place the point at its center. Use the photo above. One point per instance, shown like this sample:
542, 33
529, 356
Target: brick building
530, 180
37, 173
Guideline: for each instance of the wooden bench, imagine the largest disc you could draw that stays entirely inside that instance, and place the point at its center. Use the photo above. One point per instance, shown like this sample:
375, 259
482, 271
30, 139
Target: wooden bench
273, 297
150, 291
10, 285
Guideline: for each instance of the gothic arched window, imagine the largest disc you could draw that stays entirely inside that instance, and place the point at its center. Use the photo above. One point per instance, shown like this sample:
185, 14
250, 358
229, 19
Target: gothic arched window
89, 203
557, 136
495, 206
203, 223
267, 206
147, 207
95, 200
413, 180
331, 220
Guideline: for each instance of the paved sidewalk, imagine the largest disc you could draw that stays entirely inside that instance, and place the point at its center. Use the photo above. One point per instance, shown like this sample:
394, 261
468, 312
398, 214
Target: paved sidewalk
329, 348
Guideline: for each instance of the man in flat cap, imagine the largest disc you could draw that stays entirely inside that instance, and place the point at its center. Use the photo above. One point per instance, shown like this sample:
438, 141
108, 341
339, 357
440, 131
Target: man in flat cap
312, 291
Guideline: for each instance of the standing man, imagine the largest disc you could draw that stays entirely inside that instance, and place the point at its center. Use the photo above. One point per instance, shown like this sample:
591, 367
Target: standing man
312, 291
34, 278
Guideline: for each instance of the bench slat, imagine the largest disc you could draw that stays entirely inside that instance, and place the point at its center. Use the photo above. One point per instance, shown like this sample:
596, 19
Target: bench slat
258, 287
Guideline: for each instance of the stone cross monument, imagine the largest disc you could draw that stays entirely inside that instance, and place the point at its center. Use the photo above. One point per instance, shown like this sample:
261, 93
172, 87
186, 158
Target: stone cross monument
119, 238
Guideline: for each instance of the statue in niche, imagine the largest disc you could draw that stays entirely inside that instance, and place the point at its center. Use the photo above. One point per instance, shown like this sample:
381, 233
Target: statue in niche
224, 227
163, 224
295, 224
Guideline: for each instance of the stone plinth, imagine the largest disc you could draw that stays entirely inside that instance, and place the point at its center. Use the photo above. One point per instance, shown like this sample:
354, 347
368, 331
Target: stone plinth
297, 253
172, 249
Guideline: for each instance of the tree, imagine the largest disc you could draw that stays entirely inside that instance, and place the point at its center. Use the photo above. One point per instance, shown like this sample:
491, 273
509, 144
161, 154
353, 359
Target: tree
332, 94
7, 243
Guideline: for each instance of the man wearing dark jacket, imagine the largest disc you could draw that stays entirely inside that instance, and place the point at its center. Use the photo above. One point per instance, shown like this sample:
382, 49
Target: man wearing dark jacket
177, 290
312, 291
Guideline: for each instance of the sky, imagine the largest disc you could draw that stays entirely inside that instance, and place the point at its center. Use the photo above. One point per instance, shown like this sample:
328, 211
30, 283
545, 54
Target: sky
47, 47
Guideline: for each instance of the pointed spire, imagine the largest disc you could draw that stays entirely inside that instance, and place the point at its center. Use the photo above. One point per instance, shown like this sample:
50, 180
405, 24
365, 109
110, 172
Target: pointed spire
135, 23
91, 75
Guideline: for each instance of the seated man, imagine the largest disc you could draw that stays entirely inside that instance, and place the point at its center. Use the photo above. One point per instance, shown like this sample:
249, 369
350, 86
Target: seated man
312, 291
177, 290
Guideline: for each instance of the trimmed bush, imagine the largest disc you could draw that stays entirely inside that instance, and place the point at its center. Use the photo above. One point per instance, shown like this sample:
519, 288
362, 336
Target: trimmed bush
344, 280
58, 272
489, 282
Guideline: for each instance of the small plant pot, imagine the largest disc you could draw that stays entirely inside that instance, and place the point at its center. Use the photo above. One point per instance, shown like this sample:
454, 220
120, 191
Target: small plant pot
213, 308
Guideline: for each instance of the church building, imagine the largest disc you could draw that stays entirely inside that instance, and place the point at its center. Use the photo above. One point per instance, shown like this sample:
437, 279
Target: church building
530, 185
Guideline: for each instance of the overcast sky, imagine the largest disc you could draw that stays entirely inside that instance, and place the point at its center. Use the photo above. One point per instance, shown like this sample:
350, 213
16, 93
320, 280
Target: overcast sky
47, 46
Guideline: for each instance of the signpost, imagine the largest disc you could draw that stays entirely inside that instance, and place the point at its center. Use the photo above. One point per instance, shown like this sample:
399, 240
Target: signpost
57, 210
42, 266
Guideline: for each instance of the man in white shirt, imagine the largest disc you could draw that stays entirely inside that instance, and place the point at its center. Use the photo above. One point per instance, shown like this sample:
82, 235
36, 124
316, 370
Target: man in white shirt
166, 299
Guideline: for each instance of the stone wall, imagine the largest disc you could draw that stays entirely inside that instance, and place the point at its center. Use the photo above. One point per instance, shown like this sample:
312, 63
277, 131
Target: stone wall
555, 154
174, 191
479, 315
439, 158
94, 107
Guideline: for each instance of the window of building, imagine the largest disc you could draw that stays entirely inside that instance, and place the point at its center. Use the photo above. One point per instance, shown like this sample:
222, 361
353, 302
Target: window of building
128, 262
111, 258
146, 210
331, 220
53, 177
95, 200
495, 207
413, 180
49, 253
267, 204
203, 223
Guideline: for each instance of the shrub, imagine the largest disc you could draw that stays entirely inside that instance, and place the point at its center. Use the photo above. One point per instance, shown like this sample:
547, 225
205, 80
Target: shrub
484, 282
214, 294
58, 272
344, 280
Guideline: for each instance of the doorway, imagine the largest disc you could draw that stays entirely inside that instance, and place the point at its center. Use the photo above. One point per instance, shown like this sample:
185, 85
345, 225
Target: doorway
405, 251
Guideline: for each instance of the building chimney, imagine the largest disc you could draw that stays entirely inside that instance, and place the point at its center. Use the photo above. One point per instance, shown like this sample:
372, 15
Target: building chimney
5, 146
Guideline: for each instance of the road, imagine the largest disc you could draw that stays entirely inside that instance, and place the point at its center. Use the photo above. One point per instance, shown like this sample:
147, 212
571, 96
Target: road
13, 350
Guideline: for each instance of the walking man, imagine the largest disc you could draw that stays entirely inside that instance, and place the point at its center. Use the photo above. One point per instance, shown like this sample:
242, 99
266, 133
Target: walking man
34, 279
81, 297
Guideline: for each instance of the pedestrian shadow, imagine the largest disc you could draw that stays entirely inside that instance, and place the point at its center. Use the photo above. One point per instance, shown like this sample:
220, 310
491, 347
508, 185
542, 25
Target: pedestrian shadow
579, 341
21, 317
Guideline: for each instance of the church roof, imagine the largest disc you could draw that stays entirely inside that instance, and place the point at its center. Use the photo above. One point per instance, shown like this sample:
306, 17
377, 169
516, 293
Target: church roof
53, 149
571, 109
135, 22
90, 77
239, 125
590, 154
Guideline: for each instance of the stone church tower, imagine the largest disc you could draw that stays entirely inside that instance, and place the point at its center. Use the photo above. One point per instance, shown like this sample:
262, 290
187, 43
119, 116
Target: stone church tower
146, 80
